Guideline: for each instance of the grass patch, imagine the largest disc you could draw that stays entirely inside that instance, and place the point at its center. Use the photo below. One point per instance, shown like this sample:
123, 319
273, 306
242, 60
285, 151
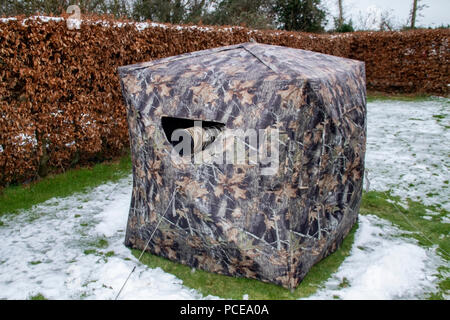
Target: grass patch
109, 254
97, 243
439, 116
15, 198
234, 288
38, 296
413, 218
90, 251
377, 96
101, 243
344, 283
386, 206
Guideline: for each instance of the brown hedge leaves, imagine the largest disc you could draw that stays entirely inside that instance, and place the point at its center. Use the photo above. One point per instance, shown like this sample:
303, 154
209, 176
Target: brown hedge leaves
60, 99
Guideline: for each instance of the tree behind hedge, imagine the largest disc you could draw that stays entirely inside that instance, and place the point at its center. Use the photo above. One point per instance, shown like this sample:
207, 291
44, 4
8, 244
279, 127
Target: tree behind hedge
300, 15
56, 7
256, 14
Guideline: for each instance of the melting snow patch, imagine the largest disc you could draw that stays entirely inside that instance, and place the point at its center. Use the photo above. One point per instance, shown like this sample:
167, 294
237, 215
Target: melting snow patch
407, 143
382, 265
445, 220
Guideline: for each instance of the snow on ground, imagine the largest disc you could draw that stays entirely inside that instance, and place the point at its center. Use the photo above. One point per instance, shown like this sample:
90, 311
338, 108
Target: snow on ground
51, 249
382, 265
43, 251
408, 149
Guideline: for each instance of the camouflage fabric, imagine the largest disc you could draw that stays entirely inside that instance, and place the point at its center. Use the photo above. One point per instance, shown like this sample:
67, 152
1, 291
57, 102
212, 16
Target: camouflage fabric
228, 218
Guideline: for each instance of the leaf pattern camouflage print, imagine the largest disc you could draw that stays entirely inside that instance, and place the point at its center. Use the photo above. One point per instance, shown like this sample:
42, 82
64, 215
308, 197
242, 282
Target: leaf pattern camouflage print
229, 218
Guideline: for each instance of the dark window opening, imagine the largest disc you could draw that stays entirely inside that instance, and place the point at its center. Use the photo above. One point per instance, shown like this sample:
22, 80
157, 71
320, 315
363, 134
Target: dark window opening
200, 136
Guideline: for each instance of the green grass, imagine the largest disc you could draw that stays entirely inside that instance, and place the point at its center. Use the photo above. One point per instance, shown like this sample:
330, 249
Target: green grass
439, 116
101, 243
96, 242
234, 288
388, 207
90, 251
94, 247
109, 254
411, 219
15, 198
38, 296
377, 96
344, 283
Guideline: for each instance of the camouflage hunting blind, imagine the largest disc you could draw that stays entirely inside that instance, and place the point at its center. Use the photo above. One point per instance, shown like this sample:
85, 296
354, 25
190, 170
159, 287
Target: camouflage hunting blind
232, 218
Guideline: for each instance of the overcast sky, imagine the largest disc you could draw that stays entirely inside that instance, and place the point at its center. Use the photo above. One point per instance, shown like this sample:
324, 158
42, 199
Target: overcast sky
436, 14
